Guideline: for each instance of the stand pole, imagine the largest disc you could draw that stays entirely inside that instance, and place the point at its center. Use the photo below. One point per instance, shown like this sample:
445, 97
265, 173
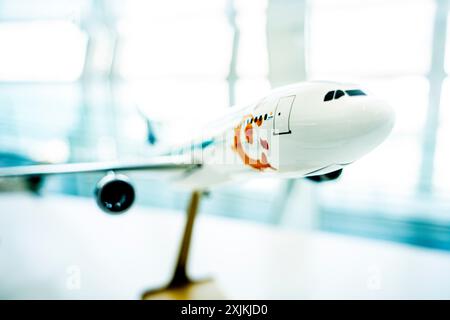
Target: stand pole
181, 286
180, 276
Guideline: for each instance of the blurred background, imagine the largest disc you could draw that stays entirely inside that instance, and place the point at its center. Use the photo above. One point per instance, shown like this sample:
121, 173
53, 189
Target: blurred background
76, 77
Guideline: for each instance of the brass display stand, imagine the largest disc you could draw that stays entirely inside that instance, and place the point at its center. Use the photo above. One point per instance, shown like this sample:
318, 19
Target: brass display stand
181, 287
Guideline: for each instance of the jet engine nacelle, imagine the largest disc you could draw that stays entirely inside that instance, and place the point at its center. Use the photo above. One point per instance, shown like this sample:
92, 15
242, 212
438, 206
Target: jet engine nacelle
326, 177
114, 193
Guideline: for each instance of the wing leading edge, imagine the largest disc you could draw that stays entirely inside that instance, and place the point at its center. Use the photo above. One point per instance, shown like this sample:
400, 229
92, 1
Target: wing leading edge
153, 164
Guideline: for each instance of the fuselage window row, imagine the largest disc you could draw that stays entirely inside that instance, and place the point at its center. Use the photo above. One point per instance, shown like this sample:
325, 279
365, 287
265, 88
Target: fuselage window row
257, 118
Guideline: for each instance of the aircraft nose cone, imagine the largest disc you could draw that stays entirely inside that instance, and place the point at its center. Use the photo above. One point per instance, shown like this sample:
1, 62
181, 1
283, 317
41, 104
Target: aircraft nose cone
376, 117
372, 121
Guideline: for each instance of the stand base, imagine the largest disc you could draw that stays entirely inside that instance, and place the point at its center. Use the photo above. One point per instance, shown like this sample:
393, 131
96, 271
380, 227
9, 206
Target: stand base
201, 290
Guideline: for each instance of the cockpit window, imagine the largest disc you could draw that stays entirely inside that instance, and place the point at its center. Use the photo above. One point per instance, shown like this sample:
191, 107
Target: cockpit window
329, 96
338, 94
355, 92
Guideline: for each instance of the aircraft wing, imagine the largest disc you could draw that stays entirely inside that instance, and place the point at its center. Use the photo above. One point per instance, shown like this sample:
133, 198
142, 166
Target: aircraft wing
153, 164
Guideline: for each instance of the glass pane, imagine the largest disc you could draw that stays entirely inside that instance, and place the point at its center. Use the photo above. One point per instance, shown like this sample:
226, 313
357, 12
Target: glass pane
355, 92
43, 9
252, 54
379, 37
442, 163
41, 51
175, 41
339, 93
329, 96
447, 50
34, 117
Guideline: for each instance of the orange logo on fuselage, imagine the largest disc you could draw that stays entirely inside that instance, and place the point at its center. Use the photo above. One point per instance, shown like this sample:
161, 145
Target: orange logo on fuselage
249, 131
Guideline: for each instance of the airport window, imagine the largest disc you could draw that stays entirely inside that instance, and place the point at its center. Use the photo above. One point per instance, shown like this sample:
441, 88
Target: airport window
338, 94
329, 96
355, 92
51, 74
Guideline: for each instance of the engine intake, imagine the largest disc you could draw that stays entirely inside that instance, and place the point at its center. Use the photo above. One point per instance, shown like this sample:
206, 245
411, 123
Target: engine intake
114, 193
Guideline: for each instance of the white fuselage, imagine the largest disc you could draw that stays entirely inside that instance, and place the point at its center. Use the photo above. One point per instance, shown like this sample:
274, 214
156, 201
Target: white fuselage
304, 129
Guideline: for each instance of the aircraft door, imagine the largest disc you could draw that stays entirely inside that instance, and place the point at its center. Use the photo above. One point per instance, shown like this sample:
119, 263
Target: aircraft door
282, 114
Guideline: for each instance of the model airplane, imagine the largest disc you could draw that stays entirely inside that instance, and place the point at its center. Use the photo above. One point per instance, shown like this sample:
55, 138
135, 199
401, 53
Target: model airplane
312, 129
